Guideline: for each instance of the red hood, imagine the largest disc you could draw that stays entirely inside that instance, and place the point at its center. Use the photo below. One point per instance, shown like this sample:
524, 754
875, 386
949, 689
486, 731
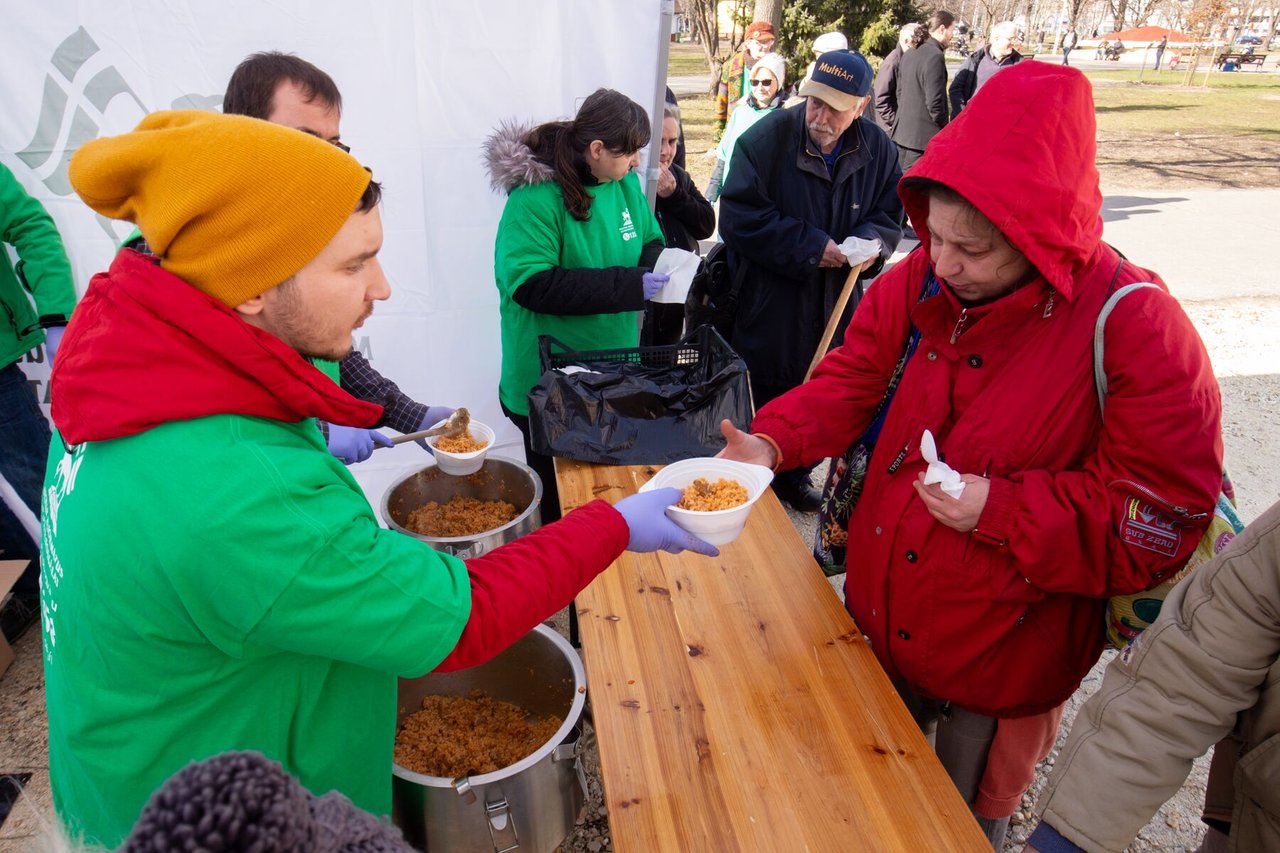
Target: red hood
145, 348
1022, 151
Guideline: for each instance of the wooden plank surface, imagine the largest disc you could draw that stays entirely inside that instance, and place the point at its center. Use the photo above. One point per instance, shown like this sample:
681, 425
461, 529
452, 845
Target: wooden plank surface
737, 706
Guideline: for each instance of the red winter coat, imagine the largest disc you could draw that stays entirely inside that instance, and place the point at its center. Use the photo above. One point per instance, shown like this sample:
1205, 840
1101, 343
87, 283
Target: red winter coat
1007, 622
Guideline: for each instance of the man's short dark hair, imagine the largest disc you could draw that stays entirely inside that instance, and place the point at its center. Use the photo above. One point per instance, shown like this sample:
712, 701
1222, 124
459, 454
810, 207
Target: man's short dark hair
253, 84
940, 18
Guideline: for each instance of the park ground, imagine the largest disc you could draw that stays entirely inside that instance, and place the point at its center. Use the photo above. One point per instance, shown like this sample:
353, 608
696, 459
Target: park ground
1153, 135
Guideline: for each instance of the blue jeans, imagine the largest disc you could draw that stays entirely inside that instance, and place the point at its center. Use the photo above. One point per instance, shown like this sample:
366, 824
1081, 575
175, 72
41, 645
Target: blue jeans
24, 450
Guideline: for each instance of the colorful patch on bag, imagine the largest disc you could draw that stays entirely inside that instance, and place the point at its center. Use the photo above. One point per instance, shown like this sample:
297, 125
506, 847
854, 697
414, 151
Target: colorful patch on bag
1148, 527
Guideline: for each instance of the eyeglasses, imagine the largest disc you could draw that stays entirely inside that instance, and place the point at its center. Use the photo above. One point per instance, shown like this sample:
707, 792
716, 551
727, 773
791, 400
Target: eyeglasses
336, 143
765, 83
767, 45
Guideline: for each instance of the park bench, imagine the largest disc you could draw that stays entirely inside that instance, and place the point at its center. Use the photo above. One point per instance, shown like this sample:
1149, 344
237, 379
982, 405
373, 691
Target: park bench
1240, 59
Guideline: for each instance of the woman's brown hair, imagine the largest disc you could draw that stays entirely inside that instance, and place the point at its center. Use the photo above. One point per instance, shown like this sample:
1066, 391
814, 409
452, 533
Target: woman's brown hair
609, 116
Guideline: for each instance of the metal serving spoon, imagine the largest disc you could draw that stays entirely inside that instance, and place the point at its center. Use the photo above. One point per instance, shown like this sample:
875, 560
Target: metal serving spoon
456, 425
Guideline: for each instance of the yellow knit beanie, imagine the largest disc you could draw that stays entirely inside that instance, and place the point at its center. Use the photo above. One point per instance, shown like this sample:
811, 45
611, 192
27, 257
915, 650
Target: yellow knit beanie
232, 205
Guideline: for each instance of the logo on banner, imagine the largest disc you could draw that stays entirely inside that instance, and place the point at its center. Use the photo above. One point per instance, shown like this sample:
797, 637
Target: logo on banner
76, 95
1148, 527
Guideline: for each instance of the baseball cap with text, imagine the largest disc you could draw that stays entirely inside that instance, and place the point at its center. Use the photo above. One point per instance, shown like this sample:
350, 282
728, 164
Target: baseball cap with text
839, 78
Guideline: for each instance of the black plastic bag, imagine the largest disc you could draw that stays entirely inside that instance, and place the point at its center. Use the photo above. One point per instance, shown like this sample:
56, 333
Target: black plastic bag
643, 406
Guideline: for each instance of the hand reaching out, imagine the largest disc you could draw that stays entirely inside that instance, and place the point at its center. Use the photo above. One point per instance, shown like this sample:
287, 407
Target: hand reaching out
745, 447
651, 530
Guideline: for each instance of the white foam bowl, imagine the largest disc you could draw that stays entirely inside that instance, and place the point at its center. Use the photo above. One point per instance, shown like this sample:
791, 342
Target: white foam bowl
721, 526
463, 463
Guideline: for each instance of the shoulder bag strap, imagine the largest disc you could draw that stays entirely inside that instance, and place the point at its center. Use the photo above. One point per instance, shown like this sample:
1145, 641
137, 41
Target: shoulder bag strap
1099, 340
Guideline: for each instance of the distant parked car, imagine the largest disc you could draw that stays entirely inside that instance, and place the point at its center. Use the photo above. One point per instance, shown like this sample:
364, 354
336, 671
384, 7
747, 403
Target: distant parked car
1248, 40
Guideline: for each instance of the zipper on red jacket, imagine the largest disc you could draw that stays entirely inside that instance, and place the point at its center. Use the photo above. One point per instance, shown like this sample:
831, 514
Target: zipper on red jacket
897, 462
1180, 510
960, 321
1048, 306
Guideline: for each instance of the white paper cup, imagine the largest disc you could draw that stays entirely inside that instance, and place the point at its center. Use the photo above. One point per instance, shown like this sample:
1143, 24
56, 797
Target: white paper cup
463, 463
721, 526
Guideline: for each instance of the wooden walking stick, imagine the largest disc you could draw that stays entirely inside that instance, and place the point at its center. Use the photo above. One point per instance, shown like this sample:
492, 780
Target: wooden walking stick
829, 332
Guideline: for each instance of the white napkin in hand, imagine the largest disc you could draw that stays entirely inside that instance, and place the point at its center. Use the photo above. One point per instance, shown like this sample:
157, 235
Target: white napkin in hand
681, 266
858, 250
939, 472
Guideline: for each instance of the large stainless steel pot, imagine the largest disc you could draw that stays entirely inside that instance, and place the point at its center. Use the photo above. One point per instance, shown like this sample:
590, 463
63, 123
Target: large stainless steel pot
498, 479
530, 805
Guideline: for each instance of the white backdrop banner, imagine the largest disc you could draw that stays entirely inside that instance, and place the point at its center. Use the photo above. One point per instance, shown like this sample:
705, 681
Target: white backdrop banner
422, 85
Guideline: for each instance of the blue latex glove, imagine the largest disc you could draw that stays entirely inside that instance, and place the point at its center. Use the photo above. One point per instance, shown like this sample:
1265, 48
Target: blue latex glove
651, 530
52, 340
434, 415
653, 282
354, 444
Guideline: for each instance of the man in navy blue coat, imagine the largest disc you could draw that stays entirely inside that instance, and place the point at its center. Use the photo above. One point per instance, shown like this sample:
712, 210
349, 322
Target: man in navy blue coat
803, 180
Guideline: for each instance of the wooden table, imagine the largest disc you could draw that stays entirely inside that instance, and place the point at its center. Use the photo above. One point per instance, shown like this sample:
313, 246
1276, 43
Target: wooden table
738, 707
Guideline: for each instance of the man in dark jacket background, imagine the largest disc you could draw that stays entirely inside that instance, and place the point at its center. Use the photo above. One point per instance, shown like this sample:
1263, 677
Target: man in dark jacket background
922, 90
804, 180
983, 64
886, 86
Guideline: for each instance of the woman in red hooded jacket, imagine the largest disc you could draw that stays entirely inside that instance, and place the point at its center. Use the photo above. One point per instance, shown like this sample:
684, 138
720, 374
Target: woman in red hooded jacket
986, 610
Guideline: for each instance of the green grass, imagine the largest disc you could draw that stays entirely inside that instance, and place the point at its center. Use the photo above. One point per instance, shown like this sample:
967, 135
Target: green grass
697, 116
1244, 103
1238, 103
685, 60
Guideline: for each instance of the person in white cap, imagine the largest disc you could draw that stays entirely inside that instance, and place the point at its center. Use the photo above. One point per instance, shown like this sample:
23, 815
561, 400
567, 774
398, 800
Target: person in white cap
764, 95
826, 43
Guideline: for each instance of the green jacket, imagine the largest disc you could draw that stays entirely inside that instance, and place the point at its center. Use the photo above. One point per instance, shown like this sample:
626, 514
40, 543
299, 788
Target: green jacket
597, 310
271, 586
213, 579
42, 261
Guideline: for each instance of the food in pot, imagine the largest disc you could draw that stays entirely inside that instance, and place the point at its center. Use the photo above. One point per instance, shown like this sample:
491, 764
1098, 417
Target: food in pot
702, 496
464, 443
459, 517
453, 736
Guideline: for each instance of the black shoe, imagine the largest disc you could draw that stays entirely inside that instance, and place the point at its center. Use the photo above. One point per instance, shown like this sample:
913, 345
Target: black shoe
801, 496
19, 614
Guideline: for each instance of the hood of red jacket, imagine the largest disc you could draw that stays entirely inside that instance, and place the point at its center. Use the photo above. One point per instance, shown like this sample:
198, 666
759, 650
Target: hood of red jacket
1023, 152
145, 348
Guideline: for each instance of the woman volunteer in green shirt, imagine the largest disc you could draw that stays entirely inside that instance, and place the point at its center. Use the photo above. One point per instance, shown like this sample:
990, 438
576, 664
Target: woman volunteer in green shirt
575, 247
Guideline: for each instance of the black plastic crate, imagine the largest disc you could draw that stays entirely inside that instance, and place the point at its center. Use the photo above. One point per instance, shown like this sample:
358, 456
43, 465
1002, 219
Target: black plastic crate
704, 347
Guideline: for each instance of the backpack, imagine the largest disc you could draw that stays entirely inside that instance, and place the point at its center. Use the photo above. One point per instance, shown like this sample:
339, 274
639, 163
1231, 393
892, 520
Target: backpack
713, 294
1129, 615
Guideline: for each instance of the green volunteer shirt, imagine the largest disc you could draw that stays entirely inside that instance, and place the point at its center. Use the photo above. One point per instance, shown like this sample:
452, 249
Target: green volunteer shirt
537, 233
222, 584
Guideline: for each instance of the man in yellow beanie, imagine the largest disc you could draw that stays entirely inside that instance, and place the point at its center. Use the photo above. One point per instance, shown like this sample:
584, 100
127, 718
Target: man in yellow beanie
288, 90
213, 578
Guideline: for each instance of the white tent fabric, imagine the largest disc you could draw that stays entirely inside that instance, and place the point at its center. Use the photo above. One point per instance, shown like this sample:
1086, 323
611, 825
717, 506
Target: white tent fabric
422, 85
